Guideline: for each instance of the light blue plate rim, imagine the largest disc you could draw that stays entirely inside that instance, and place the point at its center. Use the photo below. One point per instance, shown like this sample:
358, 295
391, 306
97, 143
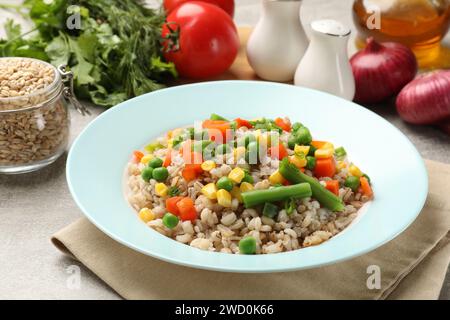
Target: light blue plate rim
347, 245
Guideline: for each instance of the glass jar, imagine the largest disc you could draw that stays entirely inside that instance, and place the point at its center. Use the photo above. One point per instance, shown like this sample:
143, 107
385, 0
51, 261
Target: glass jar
34, 118
418, 24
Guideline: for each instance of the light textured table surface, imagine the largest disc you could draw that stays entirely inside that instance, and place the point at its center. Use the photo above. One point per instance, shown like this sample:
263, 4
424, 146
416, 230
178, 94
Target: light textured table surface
34, 206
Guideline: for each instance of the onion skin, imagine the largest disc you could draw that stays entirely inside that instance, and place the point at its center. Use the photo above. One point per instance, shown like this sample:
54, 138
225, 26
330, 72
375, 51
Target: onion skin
382, 70
445, 126
426, 100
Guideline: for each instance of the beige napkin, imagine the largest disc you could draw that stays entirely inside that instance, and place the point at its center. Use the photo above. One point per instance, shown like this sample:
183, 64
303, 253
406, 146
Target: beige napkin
412, 266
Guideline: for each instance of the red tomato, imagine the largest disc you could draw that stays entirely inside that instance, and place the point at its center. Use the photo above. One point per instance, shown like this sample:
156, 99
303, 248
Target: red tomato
226, 5
208, 40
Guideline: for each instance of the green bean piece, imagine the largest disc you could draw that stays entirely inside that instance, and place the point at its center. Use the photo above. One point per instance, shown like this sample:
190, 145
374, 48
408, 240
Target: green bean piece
312, 151
326, 198
340, 152
216, 117
368, 178
152, 147
310, 163
270, 210
256, 197
352, 183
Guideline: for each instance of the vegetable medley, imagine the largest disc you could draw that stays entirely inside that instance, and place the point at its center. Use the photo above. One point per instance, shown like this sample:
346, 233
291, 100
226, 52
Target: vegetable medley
246, 186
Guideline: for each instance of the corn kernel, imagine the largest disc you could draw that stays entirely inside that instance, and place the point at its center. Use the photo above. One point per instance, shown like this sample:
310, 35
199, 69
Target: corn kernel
323, 153
236, 193
245, 186
301, 149
146, 215
208, 165
169, 134
170, 143
224, 198
239, 153
210, 191
236, 175
161, 189
298, 160
145, 159
341, 165
276, 178
328, 145
355, 171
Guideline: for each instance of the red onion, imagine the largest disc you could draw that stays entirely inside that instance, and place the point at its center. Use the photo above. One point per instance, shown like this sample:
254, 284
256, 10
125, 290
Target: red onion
382, 70
426, 100
445, 126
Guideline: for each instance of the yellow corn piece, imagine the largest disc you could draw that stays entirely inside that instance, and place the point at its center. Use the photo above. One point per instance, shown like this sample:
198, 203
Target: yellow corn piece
210, 191
170, 143
276, 178
341, 165
236, 175
236, 193
328, 145
323, 153
298, 160
145, 159
238, 153
169, 134
301, 149
224, 198
146, 215
355, 171
245, 186
161, 189
208, 165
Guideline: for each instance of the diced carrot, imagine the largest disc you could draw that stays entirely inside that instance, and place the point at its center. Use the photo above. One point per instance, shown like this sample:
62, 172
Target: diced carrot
243, 123
171, 205
283, 124
325, 168
365, 186
168, 159
302, 170
217, 130
187, 209
191, 171
137, 155
279, 151
333, 186
318, 144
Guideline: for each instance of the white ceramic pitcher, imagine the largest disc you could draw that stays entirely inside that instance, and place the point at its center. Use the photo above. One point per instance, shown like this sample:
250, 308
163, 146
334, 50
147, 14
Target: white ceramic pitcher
278, 41
325, 65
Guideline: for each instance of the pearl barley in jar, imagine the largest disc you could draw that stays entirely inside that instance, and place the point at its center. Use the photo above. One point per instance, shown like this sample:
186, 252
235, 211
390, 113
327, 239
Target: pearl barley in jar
34, 120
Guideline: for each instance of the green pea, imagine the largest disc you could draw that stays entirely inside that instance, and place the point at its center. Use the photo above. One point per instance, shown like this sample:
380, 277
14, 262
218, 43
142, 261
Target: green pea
170, 220
160, 174
292, 141
247, 245
247, 178
270, 210
225, 183
310, 163
155, 163
312, 151
303, 136
296, 126
352, 183
147, 174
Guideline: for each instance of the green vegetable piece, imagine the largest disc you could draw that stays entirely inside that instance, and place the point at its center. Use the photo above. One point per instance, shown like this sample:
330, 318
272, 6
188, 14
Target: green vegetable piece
216, 117
247, 245
367, 177
296, 126
247, 178
312, 151
352, 183
252, 153
223, 149
292, 141
340, 152
225, 183
170, 220
160, 174
256, 197
310, 163
326, 198
152, 147
303, 136
270, 210
289, 206
173, 191
147, 174
155, 163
